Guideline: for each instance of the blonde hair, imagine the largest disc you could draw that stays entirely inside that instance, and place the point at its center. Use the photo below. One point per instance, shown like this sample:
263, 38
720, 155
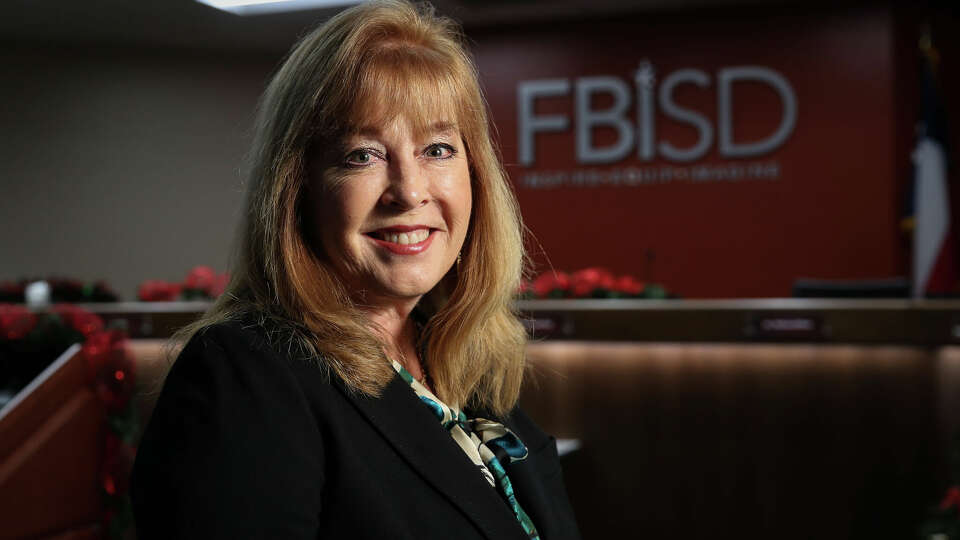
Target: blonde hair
372, 62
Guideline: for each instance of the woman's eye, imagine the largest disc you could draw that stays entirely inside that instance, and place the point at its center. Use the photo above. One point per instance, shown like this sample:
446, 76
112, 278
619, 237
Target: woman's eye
440, 151
359, 157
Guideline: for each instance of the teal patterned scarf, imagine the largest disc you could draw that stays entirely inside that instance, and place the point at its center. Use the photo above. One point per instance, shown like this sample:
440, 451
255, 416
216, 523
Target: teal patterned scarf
488, 444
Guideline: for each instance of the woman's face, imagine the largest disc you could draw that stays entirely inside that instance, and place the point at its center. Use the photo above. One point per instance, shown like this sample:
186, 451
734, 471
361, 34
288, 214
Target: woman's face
391, 208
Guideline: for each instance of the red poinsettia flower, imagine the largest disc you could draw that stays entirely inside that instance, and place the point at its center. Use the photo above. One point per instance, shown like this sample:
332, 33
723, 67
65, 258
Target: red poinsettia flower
585, 282
201, 278
79, 319
109, 368
628, 286
16, 321
952, 498
66, 289
100, 291
96, 351
220, 282
551, 284
117, 463
158, 291
525, 288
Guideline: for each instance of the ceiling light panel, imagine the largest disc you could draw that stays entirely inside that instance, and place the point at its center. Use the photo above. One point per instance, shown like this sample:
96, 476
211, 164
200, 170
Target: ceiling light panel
261, 7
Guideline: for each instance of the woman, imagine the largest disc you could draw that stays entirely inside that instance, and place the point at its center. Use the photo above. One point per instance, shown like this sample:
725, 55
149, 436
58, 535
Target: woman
359, 377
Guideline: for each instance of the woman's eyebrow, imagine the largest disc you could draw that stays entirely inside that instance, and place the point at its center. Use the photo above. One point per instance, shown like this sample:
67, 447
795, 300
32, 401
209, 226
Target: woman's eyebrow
443, 127
371, 132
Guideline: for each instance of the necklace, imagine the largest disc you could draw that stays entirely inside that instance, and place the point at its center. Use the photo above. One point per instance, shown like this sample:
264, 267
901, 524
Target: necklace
424, 374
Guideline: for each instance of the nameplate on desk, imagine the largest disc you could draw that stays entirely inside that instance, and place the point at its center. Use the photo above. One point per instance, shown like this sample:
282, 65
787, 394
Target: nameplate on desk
783, 326
547, 326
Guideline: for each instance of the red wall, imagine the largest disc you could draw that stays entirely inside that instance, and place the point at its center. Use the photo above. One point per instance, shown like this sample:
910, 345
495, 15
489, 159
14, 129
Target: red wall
832, 213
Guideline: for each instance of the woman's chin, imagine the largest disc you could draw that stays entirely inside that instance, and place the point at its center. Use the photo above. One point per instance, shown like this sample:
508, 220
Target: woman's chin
400, 291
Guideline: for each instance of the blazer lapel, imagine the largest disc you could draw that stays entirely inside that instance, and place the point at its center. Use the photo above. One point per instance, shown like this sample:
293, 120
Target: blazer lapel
406, 423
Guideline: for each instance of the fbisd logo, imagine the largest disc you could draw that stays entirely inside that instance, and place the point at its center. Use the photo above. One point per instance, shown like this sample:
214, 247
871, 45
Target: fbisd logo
639, 134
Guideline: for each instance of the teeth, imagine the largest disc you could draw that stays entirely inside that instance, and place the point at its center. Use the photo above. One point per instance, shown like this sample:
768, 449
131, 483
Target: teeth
412, 237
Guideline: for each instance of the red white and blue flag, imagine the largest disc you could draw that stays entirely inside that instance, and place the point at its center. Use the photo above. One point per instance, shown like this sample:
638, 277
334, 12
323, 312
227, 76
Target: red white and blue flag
934, 240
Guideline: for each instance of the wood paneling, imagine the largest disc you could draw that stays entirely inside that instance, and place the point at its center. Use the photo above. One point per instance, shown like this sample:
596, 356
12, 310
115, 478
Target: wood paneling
50, 446
744, 441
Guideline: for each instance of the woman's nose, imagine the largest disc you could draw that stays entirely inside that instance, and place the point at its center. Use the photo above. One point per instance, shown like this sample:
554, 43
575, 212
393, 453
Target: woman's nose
408, 188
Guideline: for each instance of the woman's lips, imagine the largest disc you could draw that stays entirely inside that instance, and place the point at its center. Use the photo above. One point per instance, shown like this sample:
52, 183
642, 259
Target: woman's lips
403, 240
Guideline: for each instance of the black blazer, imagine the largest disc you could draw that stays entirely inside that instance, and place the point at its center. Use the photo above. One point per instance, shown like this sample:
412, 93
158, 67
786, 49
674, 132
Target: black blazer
248, 443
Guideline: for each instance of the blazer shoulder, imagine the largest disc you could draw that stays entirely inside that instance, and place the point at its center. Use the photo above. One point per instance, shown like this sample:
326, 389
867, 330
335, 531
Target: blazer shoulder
233, 360
231, 423
244, 340
232, 336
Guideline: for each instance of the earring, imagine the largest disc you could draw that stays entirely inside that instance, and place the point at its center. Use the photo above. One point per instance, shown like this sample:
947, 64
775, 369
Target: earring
459, 258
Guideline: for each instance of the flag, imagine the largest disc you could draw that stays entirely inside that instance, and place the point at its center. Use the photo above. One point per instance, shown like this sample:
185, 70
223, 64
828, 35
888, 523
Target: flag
934, 241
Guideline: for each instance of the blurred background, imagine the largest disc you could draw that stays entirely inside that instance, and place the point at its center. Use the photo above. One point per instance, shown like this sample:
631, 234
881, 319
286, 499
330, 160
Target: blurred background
742, 219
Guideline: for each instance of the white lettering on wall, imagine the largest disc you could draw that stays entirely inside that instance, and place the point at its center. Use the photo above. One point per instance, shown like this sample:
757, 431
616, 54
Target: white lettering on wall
645, 80
628, 177
528, 124
687, 116
642, 134
725, 79
614, 117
